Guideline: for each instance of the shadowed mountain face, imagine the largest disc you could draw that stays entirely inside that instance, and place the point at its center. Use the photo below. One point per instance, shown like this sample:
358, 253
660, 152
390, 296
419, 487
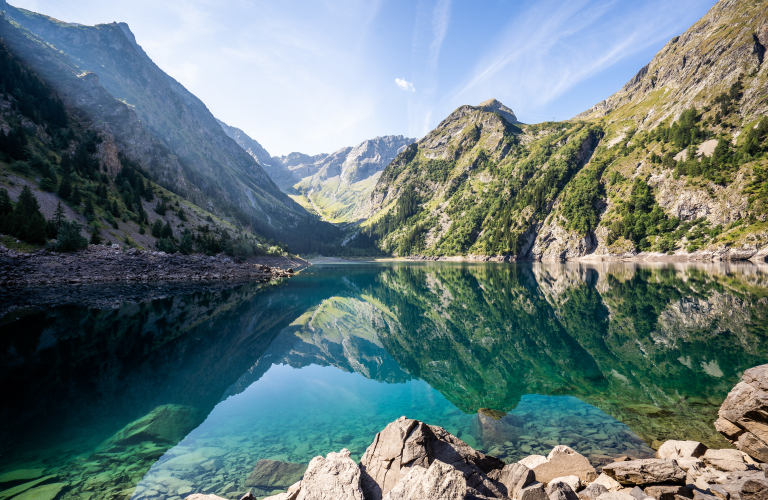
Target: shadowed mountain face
103, 72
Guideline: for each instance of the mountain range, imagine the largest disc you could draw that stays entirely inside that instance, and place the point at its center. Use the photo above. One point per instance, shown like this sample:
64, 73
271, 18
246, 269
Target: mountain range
673, 163
334, 186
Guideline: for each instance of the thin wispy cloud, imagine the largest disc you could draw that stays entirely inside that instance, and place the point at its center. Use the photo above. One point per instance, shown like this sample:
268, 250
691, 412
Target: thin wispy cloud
315, 76
553, 46
405, 85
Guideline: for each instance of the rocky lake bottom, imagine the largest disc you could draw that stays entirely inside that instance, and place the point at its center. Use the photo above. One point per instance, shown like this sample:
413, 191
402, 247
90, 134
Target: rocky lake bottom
177, 393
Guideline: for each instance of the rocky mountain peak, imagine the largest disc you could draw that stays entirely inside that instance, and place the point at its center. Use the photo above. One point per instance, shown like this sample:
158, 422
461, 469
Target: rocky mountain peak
495, 106
691, 70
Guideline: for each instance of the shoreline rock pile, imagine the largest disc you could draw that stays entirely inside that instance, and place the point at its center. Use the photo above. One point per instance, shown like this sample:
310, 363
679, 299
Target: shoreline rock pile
104, 264
410, 460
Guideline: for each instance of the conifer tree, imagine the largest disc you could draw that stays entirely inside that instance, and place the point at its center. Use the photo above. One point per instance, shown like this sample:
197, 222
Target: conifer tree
89, 212
65, 189
157, 228
167, 231
58, 215
77, 197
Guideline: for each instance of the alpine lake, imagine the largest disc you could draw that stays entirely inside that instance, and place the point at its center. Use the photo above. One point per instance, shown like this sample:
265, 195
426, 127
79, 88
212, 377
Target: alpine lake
159, 391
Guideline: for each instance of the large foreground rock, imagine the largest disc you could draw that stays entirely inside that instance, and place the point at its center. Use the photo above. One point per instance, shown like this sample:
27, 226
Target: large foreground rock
744, 414
681, 449
648, 471
407, 443
439, 482
562, 461
337, 476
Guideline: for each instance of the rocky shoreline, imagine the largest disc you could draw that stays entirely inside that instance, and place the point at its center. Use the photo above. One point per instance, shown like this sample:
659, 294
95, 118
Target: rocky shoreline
110, 264
753, 255
411, 460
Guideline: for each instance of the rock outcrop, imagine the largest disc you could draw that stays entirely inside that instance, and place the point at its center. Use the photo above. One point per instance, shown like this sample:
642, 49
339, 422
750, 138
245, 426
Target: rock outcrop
411, 460
744, 414
406, 443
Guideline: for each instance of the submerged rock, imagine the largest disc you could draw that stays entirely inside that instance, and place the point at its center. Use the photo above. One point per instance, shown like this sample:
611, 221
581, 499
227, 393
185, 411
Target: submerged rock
166, 423
20, 475
273, 474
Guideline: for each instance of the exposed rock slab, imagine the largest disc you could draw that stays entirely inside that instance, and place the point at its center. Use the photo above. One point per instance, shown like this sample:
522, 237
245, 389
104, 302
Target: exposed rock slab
681, 449
439, 482
562, 461
744, 414
648, 471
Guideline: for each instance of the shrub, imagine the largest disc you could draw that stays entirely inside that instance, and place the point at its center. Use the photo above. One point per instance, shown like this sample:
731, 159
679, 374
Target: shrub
166, 245
69, 237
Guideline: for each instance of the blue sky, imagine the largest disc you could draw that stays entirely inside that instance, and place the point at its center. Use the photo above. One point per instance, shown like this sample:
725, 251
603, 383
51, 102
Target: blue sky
315, 76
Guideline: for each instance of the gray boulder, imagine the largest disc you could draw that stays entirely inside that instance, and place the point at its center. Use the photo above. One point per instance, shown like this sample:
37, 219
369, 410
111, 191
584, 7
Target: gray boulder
439, 482
560, 490
744, 414
561, 461
513, 477
668, 492
593, 491
337, 476
647, 471
534, 491
406, 443
681, 449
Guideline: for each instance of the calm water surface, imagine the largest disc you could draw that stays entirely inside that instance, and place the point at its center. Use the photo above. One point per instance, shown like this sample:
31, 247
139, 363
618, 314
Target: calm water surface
158, 392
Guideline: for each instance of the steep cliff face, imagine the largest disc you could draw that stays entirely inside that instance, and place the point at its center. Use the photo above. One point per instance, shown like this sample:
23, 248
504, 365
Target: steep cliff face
108, 57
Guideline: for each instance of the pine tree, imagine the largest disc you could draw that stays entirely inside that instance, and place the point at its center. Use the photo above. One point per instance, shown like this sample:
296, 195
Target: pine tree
95, 236
89, 212
186, 245
77, 198
157, 228
167, 231
65, 189
58, 215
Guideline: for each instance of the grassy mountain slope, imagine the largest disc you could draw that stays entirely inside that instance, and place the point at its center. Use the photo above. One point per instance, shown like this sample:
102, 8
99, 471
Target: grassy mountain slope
229, 181
675, 162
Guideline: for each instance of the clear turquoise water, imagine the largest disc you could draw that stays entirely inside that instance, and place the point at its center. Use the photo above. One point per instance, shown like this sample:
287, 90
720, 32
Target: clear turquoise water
166, 392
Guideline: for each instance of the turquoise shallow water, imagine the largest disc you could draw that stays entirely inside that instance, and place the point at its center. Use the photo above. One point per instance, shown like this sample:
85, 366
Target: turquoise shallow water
160, 392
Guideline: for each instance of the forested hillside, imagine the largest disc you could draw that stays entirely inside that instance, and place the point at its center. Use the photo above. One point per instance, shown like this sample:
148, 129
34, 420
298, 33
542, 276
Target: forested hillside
674, 163
154, 121
57, 190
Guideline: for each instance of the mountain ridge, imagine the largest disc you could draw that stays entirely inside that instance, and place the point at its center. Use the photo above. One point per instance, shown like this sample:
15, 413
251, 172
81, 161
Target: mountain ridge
671, 166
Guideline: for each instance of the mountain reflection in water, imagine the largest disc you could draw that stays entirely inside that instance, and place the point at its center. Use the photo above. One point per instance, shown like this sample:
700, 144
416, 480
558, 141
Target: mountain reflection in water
185, 390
